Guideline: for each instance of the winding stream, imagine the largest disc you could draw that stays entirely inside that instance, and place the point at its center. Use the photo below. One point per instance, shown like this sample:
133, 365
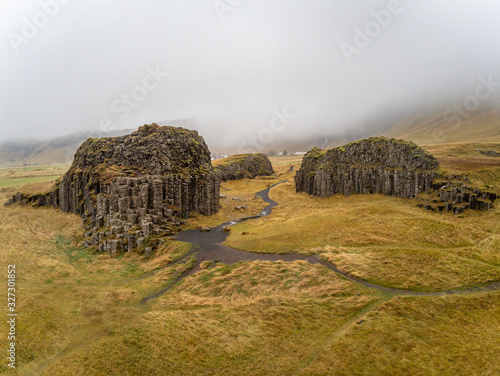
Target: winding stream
207, 246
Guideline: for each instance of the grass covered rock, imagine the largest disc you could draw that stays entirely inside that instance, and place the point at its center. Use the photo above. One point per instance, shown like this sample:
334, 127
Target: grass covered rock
373, 165
241, 166
133, 188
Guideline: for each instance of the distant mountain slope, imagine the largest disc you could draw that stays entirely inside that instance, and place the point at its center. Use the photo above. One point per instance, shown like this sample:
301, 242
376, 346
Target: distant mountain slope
56, 150
440, 126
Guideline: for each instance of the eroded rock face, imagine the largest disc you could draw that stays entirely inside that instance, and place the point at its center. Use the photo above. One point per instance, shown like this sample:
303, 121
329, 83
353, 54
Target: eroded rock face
241, 166
374, 165
391, 167
132, 189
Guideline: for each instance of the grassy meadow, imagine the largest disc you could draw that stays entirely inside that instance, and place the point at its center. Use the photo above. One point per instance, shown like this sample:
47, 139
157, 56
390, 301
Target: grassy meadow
80, 312
387, 240
19, 176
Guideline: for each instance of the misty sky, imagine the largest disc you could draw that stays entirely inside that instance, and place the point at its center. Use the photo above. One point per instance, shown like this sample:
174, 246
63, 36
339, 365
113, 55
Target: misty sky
230, 66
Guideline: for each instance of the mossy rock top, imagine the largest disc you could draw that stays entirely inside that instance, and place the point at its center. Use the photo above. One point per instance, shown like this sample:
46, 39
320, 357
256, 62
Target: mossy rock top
241, 166
373, 153
151, 150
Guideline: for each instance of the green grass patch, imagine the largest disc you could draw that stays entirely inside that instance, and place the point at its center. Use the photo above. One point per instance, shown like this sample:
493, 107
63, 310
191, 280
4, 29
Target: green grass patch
6, 182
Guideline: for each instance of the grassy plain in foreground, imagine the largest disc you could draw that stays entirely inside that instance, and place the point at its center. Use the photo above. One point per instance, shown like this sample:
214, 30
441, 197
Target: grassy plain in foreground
80, 311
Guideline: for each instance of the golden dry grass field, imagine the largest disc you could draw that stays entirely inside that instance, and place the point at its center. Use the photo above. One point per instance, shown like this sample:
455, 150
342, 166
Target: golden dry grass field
80, 312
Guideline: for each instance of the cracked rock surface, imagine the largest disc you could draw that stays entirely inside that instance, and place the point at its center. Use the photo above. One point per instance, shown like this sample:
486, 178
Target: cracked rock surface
133, 189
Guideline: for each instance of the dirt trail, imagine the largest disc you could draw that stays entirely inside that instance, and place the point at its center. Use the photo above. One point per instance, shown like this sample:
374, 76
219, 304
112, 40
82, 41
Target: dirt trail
208, 247
355, 319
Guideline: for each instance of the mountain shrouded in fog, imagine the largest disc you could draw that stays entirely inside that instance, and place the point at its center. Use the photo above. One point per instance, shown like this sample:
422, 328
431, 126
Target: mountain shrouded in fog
242, 72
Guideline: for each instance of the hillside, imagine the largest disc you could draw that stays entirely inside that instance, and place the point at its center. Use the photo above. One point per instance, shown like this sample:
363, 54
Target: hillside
55, 150
431, 126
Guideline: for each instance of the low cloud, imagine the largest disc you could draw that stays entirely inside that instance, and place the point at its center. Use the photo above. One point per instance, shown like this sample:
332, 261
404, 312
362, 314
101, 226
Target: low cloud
337, 66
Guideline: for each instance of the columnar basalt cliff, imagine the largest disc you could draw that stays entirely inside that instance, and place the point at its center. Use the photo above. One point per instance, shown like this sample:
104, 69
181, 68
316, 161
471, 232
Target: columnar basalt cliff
374, 165
131, 189
242, 166
391, 167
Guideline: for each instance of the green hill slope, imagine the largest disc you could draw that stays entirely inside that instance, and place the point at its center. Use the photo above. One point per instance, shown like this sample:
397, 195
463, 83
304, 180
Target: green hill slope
55, 150
440, 126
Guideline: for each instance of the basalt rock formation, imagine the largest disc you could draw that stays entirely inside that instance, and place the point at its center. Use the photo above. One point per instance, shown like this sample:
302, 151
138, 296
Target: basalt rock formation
453, 194
387, 166
130, 189
242, 166
374, 165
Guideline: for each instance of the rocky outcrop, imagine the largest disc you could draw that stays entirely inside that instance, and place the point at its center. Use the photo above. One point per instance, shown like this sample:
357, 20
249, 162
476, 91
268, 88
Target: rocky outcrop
453, 194
374, 165
490, 153
391, 167
132, 189
241, 166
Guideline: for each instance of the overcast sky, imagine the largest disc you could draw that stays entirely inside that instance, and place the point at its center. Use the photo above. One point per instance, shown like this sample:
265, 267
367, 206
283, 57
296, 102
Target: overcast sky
236, 67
